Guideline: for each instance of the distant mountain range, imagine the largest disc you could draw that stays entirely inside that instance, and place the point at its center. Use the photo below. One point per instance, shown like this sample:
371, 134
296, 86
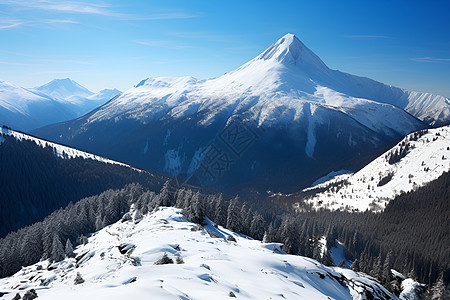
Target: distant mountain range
300, 119
56, 101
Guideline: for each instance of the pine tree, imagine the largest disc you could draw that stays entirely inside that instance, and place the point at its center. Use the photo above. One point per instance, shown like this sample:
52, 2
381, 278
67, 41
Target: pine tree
99, 222
233, 218
165, 196
220, 216
258, 225
69, 249
386, 272
58, 253
438, 291
355, 265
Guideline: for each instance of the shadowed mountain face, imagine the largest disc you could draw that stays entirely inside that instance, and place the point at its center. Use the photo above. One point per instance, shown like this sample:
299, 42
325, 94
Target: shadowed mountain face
278, 122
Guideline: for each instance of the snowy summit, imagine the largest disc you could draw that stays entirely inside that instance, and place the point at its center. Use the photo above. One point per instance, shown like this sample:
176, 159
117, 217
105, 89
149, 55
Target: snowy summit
305, 117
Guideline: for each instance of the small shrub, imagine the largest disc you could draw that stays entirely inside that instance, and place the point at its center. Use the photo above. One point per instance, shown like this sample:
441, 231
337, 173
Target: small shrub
17, 297
179, 260
78, 279
385, 179
231, 238
197, 228
164, 260
213, 234
29, 295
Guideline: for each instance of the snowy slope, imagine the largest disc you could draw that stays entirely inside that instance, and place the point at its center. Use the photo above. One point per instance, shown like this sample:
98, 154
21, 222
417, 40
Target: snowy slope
60, 150
23, 109
372, 187
212, 268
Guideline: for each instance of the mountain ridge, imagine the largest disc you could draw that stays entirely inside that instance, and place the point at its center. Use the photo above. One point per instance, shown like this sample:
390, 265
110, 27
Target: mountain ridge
278, 93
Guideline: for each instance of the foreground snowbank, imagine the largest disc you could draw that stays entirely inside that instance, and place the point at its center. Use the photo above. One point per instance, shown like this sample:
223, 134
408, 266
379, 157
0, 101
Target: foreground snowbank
119, 263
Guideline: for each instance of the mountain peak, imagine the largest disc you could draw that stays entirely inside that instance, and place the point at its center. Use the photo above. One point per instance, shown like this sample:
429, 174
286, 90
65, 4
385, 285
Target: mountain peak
289, 50
63, 89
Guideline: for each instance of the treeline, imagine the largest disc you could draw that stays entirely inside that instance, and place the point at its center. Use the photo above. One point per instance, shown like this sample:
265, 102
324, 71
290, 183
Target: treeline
411, 235
54, 237
35, 181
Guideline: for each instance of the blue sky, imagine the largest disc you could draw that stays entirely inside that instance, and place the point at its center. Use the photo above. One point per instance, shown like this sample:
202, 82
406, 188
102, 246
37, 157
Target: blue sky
106, 44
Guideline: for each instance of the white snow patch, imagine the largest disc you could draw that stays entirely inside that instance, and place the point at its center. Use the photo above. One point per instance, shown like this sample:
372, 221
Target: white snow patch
146, 147
166, 137
397, 274
330, 176
338, 254
173, 161
410, 288
196, 160
426, 160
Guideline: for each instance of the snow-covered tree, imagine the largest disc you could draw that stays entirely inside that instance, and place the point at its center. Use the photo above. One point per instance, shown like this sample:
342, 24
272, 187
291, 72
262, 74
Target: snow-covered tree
233, 215
69, 249
58, 252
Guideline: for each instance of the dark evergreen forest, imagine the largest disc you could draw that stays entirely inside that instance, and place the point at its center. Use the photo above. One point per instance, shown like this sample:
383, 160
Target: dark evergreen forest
34, 181
411, 236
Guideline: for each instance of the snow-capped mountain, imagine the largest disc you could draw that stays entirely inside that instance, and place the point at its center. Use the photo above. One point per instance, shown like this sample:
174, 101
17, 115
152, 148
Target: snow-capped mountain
64, 89
419, 158
23, 109
300, 118
123, 260
57, 101
289, 73
78, 98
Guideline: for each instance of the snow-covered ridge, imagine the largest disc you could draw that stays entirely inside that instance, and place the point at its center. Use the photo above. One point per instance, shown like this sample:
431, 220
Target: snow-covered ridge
419, 158
118, 262
61, 150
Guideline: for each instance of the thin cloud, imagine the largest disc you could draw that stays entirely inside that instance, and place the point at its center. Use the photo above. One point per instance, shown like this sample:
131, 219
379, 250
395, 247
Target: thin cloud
62, 21
363, 36
165, 16
430, 59
61, 72
212, 37
13, 63
66, 61
74, 7
164, 44
7, 24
